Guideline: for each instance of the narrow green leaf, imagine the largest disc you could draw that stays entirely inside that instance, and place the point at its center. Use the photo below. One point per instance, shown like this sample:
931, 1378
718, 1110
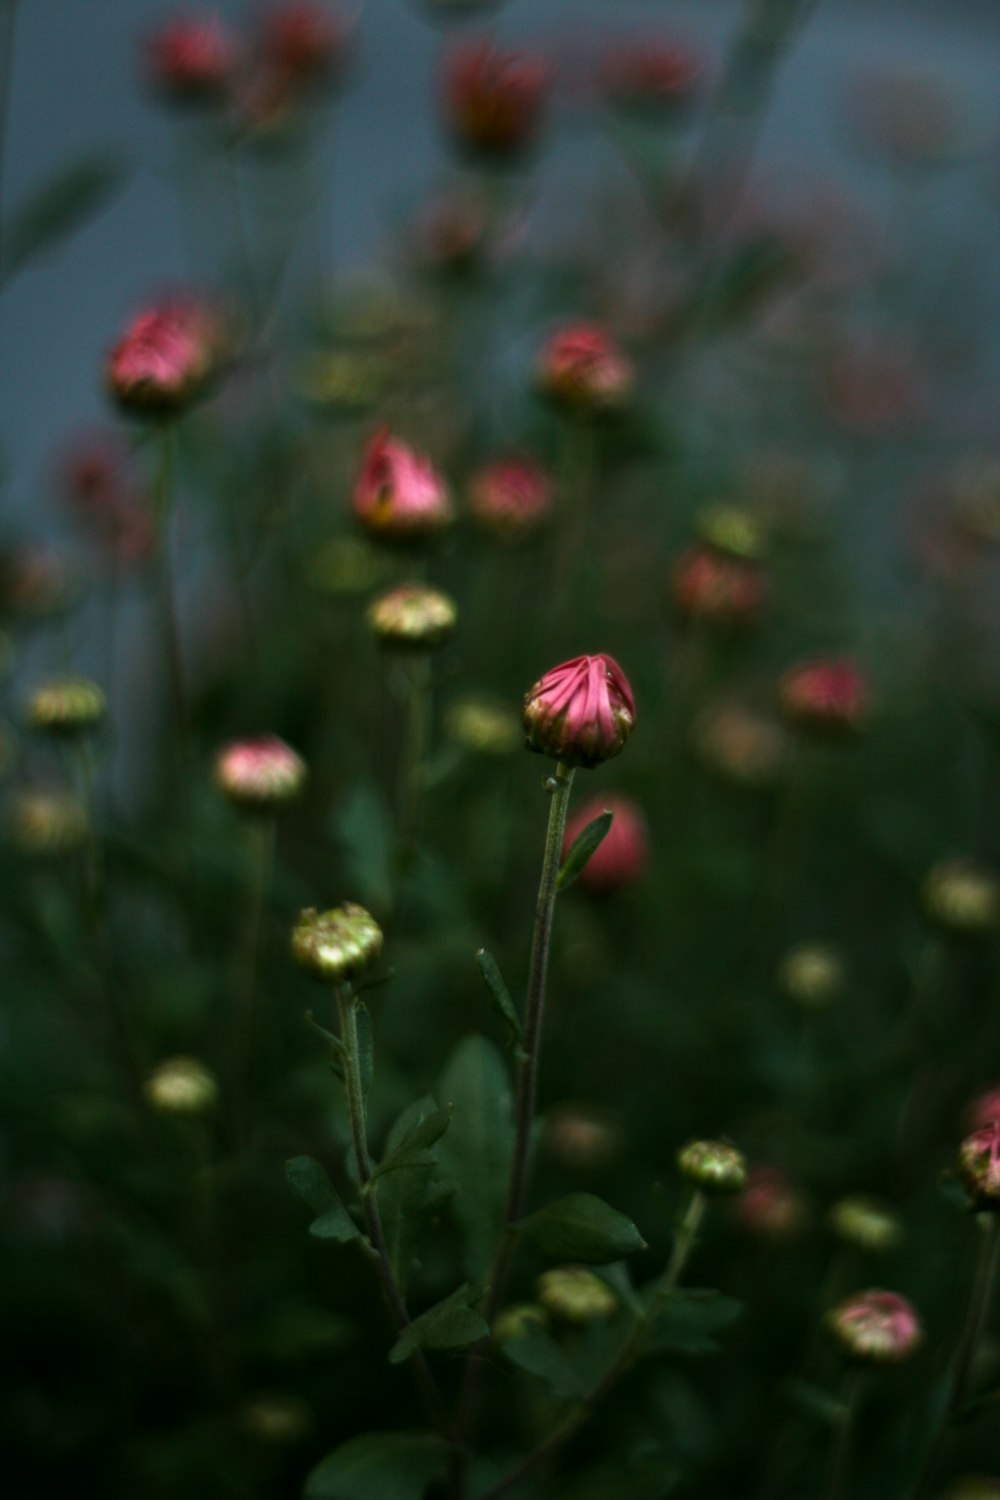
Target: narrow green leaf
583, 846
582, 1227
450, 1324
477, 1149
309, 1181
537, 1352
412, 1195
366, 1046
500, 995
379, 1466
58, 208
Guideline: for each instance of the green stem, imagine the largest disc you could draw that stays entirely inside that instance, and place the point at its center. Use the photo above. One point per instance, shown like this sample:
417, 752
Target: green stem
262, 838
163, 501
417, 734
840, 1456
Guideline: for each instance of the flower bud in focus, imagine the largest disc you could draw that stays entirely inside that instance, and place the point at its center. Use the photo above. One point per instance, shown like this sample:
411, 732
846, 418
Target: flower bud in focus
167, 358
66, 706
581, 713
192, 61
811, 975
413, 616
181, 1086
582, 369
335, 945
575, 1295
978, 1167
770, 1206
493, 100
875, 1327
621, 857
713, 1166
866, 1224
399, 496
45, 824
511, 497
712, 589
260, 774
827, 696
962, 896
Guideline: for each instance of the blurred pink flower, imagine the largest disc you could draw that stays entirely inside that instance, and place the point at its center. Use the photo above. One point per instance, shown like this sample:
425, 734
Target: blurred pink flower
622, 856
399, 494
192, 60
493, 100
511, 496
167, 357
581, 366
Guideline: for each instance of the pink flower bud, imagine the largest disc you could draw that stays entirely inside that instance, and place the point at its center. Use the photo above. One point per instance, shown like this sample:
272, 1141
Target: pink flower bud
167, 357
653, 76
192, 60
828, 694
260, 774
511, 496
399, 495
984, 1109
100, 489
770, 1206
978, 1167
581, 367
493, 100
875, 1327
581, 713
304, 42
622, 855
717, 590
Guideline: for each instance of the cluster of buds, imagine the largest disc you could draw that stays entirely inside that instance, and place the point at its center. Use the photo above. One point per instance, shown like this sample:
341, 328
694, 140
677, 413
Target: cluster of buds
484, 726
875, 1327
652, 77
621, 857
260, 774
336, 945
963, 897
511, 496
978, 1167
181, 1086
770, 1206
413, 617
582, 370
866, 1224
494, 100
399, 495
574, 1294
168, 357
580, 713
715, 1167
66, 706
714, 589
826, 696
811, 975
45, 824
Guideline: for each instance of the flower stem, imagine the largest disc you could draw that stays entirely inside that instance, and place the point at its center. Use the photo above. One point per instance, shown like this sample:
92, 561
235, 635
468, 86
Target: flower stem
261, 861
419, 687
163, 499
840, 1455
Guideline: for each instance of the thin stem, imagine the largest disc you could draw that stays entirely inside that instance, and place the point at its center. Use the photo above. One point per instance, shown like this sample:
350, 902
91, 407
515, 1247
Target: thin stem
840, 1456
347, 1005
419, 686
163, 501
262, 838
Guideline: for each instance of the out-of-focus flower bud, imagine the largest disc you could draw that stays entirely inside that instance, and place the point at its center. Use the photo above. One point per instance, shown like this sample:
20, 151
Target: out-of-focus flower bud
770, 1206
45, 824
581, 713
909, 116
348, 565
520, 1319
812, 975
276, 1419
181, 1086
582, 369
66, 706
34, 583
622, 855
962, 896
978, 1167
483, 725
413, 616
101, 492
575, 1295
984, 1109
493, 100
653, 77
866, 1224
167, 358
732, 531
875, 1327
582, 1137
335, 945
975, 490
713, 1166
451, 233
260, 774
304, 43
825, 696
712, 589
973, 1487
192, 60
399, 495
871, 391
511, 497
345, 381
741, 745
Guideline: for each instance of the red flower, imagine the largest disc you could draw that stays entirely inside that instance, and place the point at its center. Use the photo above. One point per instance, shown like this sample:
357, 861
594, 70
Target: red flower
399, 494
581, 713
493, 100
511, 496
622, 855
167, 357
826, 694
304, 42
192, 60
582, 367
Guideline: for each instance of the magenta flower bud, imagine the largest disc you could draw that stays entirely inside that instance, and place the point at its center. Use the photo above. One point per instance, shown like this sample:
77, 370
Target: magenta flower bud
261, 774
511, 496
875, 1327
493, 101
770, 1206
715, 590
621, 857
399, 495
192, 61
978, 1167
167, 358
828, 695
304, 43
984, 1109
581, 368
652, 77
580, 713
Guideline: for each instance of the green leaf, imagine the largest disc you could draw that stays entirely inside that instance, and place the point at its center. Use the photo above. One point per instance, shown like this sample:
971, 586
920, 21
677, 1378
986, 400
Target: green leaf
366, 1046
58, 208
582, 1227
363, 826
500, 995
428, 1126
537, 1352
310, 1182
476, 1152
450, 1324
583, 846
379, 1466
411, 1196
687, 1321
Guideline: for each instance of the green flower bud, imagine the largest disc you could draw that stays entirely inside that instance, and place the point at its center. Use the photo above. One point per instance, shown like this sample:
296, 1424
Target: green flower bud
181, 1086
866, 1224
43, 824
66, 705
961, 895
335, 945
811, 975
484, 726
736, 532
713, 1166
413, 616
575, 1295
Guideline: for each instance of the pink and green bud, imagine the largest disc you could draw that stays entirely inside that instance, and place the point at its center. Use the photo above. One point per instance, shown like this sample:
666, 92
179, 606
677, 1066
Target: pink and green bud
167, 358
962, 896
181, 1086
866, 1224
582, 1137
336, 945
715, 1167
978, 1167
825, 696
622, 856
511, 497
399, 495
574, 1294
494, 100
413, 617
192, 61
580, 713
66, 706
260, 774
875, 1327
582, 369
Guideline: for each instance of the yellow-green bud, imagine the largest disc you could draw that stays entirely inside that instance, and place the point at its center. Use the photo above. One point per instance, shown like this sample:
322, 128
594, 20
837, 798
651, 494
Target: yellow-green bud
335, 945
181, 1086
43, 824
811, 975
515, 1321
484, 726
866, 1224
961, 895
575, 1295
713, 1166
413, 616
66, 705
729, 529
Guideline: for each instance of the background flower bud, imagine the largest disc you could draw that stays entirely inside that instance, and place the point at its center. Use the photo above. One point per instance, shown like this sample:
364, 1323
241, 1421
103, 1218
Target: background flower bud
962, 895
811, 975
44, 824
581, 368
399, 496
866, 1224
741, 745
511, 496
875, 1327
652, 76
581, 712
710, 588
181, 1086
167, 358
582, 1137
413, 616
978, 1167
713, 1166
192, 61
575, 1295
486, 726
516, 1321
826, 695
260, 774
493, 100
66, 705
622, 855
335, 945
770, 1206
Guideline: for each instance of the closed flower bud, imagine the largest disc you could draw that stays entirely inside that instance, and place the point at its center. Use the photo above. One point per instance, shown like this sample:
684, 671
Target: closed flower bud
34, 583
575, 1295
451, 234
582, 369
741, 745
66, 705
582, 1137
192, 61
517, 1321
961, 895
260, 774
581, 713
45, 824
335, 945
866, 1224
713, 1166
652, 77
828, 695
984, 1109
875, 1327
511, 497
399, 495
181, 1086
167, 358
811, 975
978, 1167
712, 589
413, 616
485, 726
276, 1419
732, 531
770, 1206
493, 100
304, 43
101, 491
622, 855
